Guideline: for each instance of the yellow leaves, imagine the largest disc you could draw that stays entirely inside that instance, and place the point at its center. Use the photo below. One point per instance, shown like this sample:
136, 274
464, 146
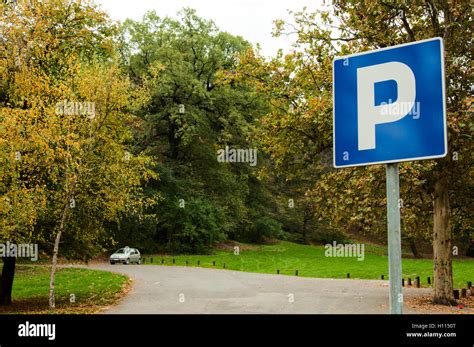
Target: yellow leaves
155, 69
106, 86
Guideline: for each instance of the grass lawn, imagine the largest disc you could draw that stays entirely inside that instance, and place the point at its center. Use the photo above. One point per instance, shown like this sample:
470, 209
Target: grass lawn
310, 261
93, 290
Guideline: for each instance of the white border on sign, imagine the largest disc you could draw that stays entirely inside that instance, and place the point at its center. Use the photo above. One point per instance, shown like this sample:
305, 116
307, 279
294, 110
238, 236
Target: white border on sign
443, 91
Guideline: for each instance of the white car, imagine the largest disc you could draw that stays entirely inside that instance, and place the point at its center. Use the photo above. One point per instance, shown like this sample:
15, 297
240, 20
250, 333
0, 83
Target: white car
126, 255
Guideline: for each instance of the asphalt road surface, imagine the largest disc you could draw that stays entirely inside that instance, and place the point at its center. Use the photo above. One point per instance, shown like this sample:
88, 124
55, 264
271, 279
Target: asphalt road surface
176, 289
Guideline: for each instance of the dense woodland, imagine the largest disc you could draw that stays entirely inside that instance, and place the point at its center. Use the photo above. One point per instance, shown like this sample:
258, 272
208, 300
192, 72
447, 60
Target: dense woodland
140, 168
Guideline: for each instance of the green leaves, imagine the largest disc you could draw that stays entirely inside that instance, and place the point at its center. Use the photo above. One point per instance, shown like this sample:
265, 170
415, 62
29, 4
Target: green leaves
192, 111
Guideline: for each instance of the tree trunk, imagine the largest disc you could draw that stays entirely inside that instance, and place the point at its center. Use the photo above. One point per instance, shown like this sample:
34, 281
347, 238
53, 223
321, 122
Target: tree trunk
52, 302
442, 248
6, 281
413, 248
305, 223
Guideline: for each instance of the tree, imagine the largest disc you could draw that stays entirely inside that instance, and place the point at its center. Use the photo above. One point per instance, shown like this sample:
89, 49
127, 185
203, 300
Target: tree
297, 133
192, 114
66, 112
386, 23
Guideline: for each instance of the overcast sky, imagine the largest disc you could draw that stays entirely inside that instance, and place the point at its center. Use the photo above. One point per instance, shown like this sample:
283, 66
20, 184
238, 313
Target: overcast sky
252, 19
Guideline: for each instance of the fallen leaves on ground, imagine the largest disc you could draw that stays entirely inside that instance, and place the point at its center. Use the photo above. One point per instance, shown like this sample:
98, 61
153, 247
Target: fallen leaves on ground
424, 304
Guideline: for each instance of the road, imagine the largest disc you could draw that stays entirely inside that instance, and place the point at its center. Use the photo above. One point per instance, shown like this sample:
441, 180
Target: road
176, 289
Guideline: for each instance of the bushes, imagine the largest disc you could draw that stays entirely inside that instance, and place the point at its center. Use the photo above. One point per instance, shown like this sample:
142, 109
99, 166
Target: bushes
260, 229
317, 232
323, 234
192, 227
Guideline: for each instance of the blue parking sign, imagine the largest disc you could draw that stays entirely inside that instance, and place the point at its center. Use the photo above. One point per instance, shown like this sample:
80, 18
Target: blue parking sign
389, 105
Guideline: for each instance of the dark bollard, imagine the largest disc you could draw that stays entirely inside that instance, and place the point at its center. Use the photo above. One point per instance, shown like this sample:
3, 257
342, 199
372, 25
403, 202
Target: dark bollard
174, 261
417, 281
151, 260
348, 275
213, 263
429, 280
469, 285
296, 272
456, 294
409, 281
463, 293
199, 262
278, 271
186, 262
162, 261
403, 282
382, 277
224, 265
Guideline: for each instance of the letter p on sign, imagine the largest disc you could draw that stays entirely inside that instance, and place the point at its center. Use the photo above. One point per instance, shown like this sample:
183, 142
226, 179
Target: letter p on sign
374, 92
370, 115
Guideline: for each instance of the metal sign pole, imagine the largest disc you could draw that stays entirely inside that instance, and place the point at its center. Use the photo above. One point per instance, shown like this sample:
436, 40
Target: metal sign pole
394, 240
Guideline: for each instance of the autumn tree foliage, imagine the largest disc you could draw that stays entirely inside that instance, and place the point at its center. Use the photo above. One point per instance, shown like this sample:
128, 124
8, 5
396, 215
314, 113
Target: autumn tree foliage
67, 165
436, 194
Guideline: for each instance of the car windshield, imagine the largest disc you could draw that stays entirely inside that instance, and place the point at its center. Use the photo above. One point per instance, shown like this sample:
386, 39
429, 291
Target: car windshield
121, 250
